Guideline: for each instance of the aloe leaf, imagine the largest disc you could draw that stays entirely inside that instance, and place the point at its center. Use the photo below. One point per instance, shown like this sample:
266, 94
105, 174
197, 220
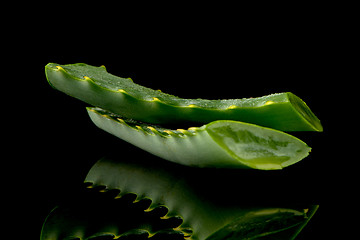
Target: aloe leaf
94, 85
222, 144
96, 215
135, 199
207, 207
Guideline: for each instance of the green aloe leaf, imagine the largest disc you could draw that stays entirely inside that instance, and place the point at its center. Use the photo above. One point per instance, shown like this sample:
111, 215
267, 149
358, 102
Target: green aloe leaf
223, 143
169, 201
94, 85
138, 199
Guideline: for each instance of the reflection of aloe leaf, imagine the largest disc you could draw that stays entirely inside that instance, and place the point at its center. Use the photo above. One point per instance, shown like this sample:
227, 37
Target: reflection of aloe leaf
96, 214
140, 200
209, 207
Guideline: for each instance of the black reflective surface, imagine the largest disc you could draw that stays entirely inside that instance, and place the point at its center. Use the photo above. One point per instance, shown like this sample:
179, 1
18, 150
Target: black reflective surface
57, 143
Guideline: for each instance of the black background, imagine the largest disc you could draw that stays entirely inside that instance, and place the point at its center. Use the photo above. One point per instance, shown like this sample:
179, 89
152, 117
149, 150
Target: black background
189, 53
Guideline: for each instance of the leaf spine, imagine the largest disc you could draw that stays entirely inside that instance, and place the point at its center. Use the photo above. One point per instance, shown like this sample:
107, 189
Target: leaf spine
121, 120
171, 133
106, 116
60, 68
232, 107
185, 132
153, 129
155, 99
269, 102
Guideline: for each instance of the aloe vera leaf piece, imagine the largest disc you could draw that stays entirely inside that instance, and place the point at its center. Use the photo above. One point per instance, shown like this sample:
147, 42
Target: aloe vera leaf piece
222, 144
97, 215
94, 85
206, 204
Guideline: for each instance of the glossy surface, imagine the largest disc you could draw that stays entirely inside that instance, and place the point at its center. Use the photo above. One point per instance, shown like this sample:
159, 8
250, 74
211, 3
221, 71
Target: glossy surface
94, 85
222, 144
135, 198
258, 147
210, 208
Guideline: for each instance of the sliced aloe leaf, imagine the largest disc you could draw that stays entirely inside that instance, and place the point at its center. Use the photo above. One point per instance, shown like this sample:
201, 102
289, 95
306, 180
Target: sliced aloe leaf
94, 85
222, 143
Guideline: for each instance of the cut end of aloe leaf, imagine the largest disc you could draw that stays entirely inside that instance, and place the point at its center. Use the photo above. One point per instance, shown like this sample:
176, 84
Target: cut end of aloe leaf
97, 87
304, 111
258, 147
